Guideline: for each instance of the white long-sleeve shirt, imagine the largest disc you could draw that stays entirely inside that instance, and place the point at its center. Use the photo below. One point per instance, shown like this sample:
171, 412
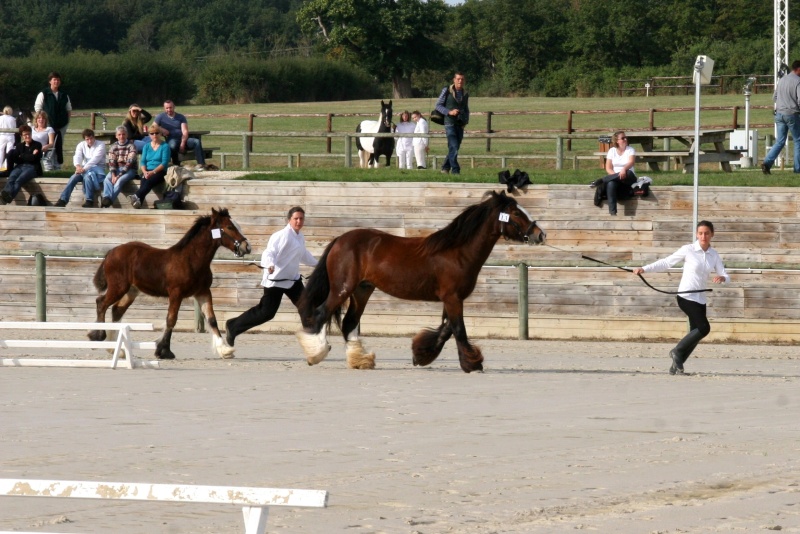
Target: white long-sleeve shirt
405, 144
286, 250
421, 127
697, 267
90, 156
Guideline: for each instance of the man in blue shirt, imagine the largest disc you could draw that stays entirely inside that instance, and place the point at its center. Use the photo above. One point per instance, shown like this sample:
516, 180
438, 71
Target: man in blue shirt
178, 139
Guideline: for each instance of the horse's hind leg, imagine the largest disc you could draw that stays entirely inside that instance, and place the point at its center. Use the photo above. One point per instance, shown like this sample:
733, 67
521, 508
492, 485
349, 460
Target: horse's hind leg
469, 355
163, 351
428, 343
357, 358
121, 299
206, 305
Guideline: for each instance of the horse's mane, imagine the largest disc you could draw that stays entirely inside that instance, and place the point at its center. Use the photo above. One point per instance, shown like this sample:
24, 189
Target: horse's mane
199, 224
464, 227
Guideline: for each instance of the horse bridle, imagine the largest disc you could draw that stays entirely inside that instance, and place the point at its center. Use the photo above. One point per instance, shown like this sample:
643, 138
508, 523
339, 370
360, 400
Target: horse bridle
516, 226
236, 243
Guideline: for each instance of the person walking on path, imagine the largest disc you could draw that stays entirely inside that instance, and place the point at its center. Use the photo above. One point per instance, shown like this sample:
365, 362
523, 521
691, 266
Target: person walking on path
453, 103
787, 118
699, 261
281, 260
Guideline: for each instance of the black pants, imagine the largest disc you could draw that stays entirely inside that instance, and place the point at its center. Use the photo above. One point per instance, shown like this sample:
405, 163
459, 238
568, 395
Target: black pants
612, 183
699, 327
265, 310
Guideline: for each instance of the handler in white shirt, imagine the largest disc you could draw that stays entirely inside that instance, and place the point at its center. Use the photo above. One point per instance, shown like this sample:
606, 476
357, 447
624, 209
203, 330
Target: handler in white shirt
420, 143
90, 168
699, 261
281, 260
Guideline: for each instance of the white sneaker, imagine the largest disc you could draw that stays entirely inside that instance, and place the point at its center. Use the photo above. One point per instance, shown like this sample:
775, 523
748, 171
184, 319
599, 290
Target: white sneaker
199, 168
135, 202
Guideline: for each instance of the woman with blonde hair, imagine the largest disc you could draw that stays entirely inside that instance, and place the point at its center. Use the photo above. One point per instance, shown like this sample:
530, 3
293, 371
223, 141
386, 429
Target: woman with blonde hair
46, 135
8, 122
136, 126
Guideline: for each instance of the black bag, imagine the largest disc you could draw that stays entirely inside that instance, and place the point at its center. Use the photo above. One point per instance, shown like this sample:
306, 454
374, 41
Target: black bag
172, 200
437, 117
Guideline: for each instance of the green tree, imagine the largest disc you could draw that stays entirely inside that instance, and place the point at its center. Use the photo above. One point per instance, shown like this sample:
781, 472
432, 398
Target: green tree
387, 38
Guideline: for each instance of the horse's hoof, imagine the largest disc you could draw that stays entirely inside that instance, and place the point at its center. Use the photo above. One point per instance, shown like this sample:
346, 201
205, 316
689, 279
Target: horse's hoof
357, 358
314, 359
166, 356
314, 350
223, 349
97, 335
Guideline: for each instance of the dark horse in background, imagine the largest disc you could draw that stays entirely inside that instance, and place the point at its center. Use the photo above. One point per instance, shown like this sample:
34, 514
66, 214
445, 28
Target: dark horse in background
371, 148
442, 267
181, 271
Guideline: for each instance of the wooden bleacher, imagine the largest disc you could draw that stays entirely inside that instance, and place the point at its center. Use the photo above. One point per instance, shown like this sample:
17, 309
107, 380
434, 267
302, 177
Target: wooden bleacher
757, 230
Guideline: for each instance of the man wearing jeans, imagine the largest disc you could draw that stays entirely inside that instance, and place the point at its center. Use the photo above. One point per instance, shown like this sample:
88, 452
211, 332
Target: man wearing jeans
178, 139
453, 103
90, 168
787, 117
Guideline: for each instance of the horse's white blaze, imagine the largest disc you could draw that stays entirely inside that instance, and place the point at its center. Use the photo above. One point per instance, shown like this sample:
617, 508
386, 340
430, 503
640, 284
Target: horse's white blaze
221, 348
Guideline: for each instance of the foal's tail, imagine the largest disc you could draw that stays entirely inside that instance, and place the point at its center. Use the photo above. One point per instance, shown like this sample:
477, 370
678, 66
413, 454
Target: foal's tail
316, 293
100, 281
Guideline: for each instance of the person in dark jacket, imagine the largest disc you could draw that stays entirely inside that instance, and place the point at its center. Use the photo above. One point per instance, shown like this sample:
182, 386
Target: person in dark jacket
25, 161
58, 107
453, 103
136, 126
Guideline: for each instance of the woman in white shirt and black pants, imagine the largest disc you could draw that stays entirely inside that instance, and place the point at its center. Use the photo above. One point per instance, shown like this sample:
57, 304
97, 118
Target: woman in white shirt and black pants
619, 166
286, 250
699, 261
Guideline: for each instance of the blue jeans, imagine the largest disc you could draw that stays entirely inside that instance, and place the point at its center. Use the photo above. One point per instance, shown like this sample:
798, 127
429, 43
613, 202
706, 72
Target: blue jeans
21, 175
455, 134
191, 144
112, 190
785, 124
92, 181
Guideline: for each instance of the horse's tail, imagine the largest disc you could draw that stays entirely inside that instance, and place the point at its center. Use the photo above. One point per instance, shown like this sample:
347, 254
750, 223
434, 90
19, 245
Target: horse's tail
316, 292
358, 139
100, 281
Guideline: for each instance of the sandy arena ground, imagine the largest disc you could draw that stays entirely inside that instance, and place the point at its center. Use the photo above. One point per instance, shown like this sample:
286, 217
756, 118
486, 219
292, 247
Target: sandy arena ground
553, 437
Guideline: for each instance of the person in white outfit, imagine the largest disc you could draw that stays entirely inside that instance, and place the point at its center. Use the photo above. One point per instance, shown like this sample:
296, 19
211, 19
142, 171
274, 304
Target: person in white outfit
699, 261
7, 121
420, 143
286, 250
405, 147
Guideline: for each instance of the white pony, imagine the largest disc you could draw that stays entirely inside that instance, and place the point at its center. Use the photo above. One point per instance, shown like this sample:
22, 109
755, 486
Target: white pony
370, 148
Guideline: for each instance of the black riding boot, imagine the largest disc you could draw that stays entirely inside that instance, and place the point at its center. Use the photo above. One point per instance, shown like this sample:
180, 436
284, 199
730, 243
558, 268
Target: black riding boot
685, 346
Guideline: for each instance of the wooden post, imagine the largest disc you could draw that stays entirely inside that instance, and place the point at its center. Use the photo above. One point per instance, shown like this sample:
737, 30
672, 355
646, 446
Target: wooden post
245, 152
559, 152
735, 117
569, 129
250, 129
652, 119
522, 301
348, 151
330, 130
41, 287
91, 121
488, 130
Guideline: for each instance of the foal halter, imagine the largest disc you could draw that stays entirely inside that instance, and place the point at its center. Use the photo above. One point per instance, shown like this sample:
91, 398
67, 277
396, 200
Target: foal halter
506, 218
236, 243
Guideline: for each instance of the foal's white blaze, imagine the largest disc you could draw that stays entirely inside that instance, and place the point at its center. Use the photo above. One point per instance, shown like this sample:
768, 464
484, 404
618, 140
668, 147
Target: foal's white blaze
221, 348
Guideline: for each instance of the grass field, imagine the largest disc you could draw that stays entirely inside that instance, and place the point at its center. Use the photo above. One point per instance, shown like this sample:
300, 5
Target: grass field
607, 115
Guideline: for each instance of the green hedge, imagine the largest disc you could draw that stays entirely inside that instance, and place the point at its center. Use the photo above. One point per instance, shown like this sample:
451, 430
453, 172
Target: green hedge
96, 80
244, 81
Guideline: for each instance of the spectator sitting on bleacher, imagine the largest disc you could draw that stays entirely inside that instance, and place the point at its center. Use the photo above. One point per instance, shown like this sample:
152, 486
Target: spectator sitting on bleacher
90, 168
25, 162
619, 166
178, 139
153, 165
121, 167
136, 126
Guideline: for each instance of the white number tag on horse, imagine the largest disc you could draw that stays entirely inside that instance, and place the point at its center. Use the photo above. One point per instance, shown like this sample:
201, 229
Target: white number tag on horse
504, 217
215, 233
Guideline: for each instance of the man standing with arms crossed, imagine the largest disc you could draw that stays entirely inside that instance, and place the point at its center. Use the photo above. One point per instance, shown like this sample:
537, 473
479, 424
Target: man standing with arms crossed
787, 118
58, 107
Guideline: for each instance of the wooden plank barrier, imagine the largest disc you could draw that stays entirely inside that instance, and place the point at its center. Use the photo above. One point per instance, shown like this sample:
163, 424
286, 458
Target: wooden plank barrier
122, 345
255, 502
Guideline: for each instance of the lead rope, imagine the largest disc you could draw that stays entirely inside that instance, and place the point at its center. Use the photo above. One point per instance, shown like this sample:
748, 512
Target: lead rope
628, 270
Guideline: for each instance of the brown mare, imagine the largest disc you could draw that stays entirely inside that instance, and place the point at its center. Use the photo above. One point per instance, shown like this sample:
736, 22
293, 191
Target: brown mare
442, 267
181, 271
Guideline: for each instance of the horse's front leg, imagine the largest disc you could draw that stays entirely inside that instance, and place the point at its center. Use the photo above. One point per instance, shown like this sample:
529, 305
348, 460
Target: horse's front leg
469, 355
163, 351
217, 341
428, 343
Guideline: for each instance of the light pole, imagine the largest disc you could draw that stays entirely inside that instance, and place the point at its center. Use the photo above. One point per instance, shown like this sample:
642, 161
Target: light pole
703, 66
747, 90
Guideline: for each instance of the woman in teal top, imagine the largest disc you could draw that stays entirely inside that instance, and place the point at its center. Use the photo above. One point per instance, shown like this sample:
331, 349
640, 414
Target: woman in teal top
152, 165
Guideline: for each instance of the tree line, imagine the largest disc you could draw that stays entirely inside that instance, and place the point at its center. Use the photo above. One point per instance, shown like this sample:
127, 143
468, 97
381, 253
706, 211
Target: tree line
412, 47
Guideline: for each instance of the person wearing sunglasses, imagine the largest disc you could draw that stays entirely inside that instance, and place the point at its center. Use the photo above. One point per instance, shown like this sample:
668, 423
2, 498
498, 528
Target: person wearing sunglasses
619, 166
153, 165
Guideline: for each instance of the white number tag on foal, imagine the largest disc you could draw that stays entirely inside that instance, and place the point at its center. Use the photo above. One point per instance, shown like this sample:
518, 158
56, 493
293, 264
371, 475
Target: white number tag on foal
504, 217
215, 233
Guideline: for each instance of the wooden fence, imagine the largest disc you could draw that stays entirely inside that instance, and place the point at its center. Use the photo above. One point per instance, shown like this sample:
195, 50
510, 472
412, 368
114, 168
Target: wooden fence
758, 235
